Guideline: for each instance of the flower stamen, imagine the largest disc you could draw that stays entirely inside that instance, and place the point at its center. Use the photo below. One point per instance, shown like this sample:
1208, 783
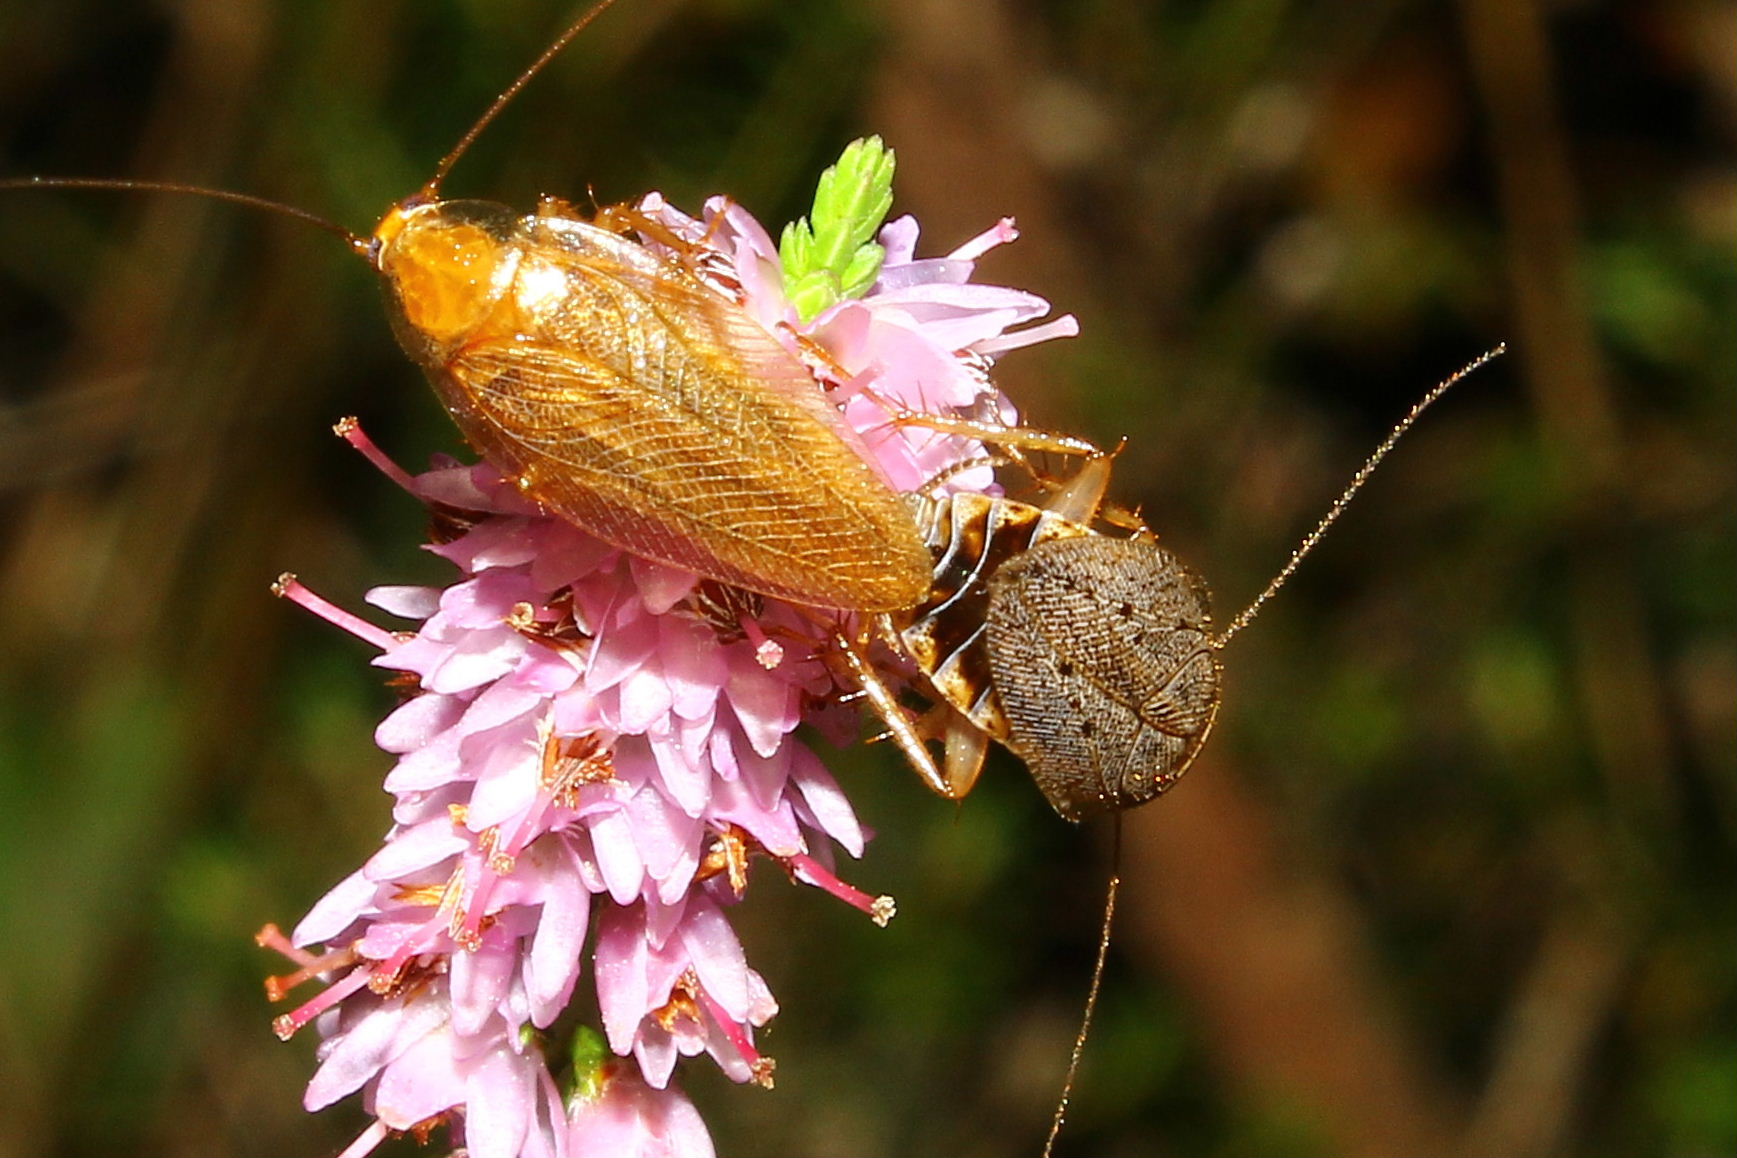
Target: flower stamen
366, 1142
1000, 233
806, 869
290, 588
349, 428
761, 1066
286, 1025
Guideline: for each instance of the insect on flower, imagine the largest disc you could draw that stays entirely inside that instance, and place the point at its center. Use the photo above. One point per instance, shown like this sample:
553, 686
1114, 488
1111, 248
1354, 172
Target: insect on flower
1091, 656
621, 391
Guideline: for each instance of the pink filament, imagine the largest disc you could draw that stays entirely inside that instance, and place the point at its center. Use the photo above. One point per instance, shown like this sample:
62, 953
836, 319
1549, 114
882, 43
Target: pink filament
350, 430
290, 588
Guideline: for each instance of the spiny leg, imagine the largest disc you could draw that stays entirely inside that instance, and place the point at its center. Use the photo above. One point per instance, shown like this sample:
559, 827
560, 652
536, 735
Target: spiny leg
854, 663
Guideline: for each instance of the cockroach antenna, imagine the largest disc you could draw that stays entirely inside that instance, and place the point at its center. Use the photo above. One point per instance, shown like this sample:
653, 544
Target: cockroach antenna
1097, 985
1246, 615
431, 191
365, 246
360, 244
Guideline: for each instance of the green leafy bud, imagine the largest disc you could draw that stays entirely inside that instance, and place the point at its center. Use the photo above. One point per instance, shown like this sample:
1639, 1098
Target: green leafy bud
590, 1057
831, 254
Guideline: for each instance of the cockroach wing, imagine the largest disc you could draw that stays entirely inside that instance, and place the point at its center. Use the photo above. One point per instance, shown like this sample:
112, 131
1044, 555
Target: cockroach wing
641, 404
1103, 661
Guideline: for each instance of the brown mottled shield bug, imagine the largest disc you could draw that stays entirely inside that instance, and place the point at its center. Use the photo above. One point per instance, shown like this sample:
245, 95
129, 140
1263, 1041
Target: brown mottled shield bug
1091, 656
623, 392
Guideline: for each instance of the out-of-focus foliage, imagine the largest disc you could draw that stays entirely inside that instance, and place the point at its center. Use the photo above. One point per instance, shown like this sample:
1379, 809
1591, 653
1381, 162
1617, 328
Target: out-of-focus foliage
1455, 874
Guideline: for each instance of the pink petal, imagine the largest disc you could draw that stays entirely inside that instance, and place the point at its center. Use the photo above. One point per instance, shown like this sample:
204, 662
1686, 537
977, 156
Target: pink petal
554, 963
764, 776
486, 600
688, 783
495, 543
668, 841
416, 722
775, 828
620, 958
717, 957
405, 602
645, 698
899, 238
566, 554
455, 486
764, 704
475, 658
410, 850
479, 982
832, 811
363, 1048
428, 767
619, 651
660, 588
655, 1051
693, 663
617, 857
508, 776
546, 672
420, 1084
334, 912
497, 705
499, 1104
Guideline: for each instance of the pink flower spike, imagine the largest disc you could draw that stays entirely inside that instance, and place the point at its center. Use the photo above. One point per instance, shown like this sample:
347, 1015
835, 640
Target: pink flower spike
806, 869
1000, 233
592, 747
290, 588
349, 428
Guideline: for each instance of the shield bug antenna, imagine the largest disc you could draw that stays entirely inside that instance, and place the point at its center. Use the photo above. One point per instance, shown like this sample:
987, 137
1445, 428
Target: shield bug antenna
622, 390
1091, 656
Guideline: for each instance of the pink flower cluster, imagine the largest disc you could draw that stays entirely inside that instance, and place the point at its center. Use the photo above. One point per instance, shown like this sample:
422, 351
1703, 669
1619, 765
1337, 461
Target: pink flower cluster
592, 749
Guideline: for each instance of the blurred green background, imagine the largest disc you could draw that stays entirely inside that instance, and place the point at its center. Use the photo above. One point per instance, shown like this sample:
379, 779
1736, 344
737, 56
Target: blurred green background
1456, 873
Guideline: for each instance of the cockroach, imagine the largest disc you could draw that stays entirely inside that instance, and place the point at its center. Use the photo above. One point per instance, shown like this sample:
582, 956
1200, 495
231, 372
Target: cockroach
621, 391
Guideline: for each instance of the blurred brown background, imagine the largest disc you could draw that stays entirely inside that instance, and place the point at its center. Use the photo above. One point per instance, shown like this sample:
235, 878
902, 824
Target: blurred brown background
1455, 875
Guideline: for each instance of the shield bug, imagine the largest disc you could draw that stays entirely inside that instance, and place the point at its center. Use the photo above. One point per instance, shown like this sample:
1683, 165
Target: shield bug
624, 392
1091, 656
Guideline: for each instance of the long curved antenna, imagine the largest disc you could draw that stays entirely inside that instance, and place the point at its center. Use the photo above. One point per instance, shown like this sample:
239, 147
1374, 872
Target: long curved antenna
1061, 1106
1357, 480
432, 190
359, 244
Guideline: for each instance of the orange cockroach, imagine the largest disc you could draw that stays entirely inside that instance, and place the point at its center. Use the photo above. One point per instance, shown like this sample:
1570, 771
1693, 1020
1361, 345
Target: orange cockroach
622, 392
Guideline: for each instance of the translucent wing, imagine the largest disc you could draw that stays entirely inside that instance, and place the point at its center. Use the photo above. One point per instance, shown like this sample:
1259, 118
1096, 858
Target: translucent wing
644, 406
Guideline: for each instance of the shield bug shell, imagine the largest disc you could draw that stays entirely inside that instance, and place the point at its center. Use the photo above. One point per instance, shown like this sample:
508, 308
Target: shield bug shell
1091, 657
1106, 667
